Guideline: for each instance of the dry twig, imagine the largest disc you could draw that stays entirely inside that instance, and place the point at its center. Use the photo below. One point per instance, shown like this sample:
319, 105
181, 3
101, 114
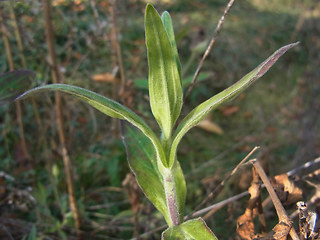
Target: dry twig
220, 186
282, 215
213, 40
56, 76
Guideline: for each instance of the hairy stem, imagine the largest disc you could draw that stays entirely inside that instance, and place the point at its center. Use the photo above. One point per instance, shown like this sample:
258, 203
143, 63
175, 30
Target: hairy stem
171, 196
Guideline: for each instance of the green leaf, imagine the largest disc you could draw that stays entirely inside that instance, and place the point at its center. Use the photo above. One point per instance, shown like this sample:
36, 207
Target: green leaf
202, 76
142, 83
13, 83
164, 81
33, 233
201, 111
108, 107
142, 161
195, 229
167, 22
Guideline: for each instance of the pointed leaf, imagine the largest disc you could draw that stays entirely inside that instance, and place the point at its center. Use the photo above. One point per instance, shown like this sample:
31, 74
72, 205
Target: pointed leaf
164, 81
141, 156
195, 229
201, 111
167, 22
108, 107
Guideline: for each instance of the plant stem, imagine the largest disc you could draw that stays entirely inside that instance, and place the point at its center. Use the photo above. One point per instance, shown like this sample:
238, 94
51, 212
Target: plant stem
56, 77
11, 68
205, 55
171, 196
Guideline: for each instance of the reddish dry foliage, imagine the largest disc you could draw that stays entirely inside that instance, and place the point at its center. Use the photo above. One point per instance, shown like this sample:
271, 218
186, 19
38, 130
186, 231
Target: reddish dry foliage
288, 193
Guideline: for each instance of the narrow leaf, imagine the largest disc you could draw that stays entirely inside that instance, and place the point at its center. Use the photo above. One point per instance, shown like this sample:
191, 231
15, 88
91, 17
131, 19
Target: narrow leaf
108, 107
201, 111
189, 230
164, 81
167, 22
141, 156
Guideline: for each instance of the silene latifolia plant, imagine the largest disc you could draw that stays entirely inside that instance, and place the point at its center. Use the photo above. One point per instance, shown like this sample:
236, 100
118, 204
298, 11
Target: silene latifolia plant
158, 172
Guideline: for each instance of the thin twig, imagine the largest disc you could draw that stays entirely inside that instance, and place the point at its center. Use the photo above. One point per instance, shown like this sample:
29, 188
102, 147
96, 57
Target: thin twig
56, 76
96, 14
304, 166
115, 45
114, 60
205, 55
220, 186
282, 215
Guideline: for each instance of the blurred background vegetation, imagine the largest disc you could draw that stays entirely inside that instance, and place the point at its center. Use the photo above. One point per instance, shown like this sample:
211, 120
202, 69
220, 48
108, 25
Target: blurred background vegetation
280, 113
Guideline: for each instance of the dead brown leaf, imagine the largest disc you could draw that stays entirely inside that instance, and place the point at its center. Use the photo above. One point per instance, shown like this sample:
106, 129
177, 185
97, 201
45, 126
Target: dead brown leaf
105, 77
245, 225
228, 111
281, 231
209, 126
286, 189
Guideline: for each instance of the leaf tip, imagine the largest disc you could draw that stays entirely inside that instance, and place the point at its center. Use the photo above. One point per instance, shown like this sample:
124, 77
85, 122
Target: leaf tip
149, 8
266, 65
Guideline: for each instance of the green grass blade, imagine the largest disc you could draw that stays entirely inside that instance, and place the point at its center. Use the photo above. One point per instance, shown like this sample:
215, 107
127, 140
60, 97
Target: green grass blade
108, 107
164, 81
201, 111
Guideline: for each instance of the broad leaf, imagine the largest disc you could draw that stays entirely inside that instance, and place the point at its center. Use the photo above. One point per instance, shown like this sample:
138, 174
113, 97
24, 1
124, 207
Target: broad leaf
142, 161
14, 83
201, 111
108, 107
195, 229
166, 19
164, 81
